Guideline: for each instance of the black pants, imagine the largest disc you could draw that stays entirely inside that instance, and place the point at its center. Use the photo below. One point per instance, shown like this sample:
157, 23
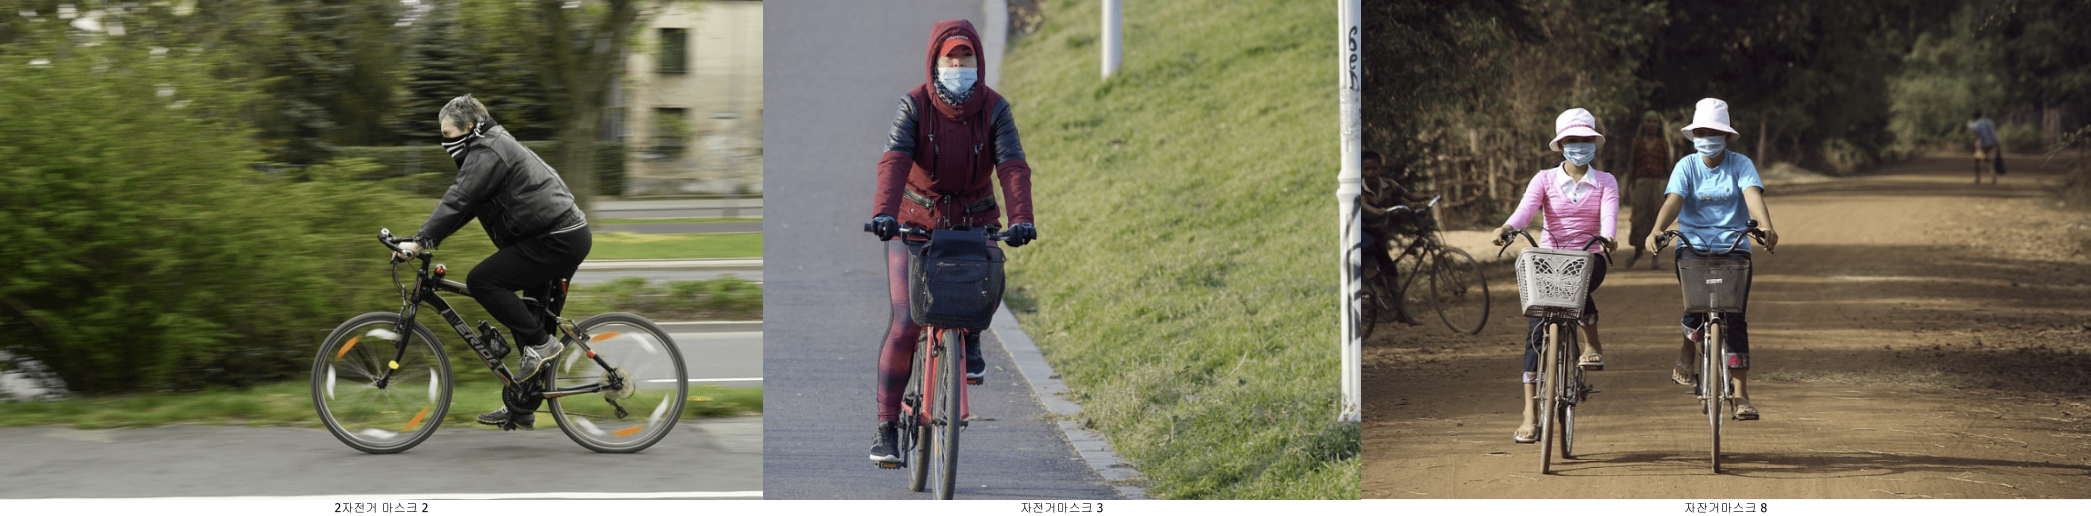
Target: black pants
531, 265
1535, 339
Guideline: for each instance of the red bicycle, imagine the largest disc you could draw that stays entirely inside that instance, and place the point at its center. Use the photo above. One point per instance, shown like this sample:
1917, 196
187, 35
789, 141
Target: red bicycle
954, 287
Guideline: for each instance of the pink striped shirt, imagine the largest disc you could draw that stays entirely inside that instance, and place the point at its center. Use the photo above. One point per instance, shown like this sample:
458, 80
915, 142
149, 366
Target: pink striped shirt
1574, 210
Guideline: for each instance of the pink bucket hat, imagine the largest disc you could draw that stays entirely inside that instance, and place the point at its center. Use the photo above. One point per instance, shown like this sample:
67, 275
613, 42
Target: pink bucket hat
1711, 113
1574, 122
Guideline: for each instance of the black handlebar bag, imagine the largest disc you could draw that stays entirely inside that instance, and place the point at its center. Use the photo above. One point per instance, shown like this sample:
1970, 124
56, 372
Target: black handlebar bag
954, 280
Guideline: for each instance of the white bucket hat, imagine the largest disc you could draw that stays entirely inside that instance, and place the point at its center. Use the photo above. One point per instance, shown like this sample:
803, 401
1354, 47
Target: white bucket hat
1574, 122
1712, 114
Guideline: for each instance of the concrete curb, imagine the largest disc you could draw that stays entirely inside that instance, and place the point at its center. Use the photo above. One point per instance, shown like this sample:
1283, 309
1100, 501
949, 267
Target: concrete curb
1046, 385
730, 264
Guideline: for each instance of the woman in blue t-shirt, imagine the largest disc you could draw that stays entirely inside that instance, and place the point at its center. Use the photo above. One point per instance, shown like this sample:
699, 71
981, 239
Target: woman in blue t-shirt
1711, 195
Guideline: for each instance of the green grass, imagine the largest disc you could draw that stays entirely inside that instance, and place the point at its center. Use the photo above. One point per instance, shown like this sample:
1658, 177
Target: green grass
671, 221
290, 404
635, 246
1184, 282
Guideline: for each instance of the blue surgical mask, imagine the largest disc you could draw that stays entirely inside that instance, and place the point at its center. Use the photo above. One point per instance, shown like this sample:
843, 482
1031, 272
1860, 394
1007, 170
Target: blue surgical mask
1579, 153
1710, 146
957, 80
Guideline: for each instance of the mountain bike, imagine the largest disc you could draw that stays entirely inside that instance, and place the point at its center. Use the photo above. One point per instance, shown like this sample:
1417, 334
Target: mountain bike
1552, 285
382, 382
954, 287
1458, 290
1715, 284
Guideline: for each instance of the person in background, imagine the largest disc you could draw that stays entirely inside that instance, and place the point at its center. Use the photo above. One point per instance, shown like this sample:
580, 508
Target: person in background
1986, 147
1381, 195
1648, 174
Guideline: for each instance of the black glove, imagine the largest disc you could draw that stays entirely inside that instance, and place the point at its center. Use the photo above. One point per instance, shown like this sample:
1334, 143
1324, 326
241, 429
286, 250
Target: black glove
1022, 233
885, 227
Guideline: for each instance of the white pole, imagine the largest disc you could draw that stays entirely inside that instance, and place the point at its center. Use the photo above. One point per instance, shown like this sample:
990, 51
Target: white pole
1112, 37
1347, 209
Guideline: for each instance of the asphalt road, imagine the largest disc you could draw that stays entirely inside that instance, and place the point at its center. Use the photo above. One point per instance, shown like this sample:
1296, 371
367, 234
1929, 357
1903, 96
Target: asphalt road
727, 358
676, 209
837, 70
713, 458
675, 228
586, 277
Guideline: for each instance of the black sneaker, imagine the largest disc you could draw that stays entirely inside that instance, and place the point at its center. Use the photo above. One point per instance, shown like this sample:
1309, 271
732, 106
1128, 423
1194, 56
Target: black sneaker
526, 420
535, 357
976, 365
884, 448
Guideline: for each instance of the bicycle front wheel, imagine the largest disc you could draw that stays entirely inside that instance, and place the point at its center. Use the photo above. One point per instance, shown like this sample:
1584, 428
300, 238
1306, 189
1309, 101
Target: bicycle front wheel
1549, 396
364, 406
949, 411
1715, 376
1459, 291
642, 389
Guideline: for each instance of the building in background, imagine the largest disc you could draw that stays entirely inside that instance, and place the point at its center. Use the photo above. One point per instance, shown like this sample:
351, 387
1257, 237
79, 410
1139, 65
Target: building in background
691, 101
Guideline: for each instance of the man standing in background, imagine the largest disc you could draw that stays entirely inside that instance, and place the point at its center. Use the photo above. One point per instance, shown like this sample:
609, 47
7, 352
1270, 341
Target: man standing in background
1647, 174
1986, 147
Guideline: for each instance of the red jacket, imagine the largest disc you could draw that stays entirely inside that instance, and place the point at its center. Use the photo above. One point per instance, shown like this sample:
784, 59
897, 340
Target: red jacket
939, 162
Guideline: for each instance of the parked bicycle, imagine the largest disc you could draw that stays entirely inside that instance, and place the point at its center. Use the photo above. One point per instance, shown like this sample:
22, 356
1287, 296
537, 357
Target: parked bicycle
1714, 284
954, 287
382, 382
1552, 285
1457, 290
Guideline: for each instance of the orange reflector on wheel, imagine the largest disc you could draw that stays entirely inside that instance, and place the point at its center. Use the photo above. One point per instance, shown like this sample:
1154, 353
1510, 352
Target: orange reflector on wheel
345, 347
602, 337
418, 418
628, 431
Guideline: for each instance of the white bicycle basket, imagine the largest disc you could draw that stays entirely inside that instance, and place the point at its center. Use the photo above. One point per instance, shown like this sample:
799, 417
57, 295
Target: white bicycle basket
1553, 281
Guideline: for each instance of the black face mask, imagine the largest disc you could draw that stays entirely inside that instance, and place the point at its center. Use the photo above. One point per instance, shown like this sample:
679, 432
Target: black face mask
458, 147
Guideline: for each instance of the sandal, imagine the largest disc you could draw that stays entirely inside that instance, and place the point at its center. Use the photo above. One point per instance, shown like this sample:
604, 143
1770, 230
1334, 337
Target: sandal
1526, 434
1592, 362
1681, 373
1744, 411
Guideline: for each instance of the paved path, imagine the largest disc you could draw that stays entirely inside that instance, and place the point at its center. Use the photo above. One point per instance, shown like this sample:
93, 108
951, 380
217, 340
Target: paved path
709, 458
676, 209
842, 69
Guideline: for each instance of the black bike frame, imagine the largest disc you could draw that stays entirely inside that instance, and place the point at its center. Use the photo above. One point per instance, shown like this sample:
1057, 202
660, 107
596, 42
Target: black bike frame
426, 290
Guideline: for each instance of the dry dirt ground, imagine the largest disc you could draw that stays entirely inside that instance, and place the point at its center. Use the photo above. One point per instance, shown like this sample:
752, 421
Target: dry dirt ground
1916, 336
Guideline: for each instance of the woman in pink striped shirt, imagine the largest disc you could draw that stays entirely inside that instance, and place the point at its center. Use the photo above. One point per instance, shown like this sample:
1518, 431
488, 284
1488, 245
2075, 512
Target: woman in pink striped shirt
1578, 202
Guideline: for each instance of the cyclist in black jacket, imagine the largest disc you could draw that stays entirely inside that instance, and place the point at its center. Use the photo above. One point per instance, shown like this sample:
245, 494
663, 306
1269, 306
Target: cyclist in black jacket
530, 215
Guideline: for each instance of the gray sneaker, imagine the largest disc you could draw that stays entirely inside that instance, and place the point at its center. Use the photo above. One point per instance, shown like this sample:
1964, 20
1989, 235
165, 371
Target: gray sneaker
535, 357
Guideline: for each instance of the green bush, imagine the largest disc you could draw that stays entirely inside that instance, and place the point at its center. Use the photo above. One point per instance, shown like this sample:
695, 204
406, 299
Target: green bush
2021, 138
143, 251
433, 170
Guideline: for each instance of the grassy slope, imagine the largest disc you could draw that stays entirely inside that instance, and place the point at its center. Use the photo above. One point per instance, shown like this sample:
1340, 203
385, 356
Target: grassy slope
1184, 286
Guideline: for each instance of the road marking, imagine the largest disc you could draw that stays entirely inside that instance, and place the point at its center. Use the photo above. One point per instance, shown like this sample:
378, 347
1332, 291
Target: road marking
451, 496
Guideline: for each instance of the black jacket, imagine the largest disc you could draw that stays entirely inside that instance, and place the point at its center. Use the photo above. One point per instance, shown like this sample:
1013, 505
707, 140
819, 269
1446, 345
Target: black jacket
514, 194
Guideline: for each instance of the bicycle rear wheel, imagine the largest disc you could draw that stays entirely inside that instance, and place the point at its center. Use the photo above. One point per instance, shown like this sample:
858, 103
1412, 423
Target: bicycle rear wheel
1459, 291
949, 412
381, 419
1549, 397
643, 361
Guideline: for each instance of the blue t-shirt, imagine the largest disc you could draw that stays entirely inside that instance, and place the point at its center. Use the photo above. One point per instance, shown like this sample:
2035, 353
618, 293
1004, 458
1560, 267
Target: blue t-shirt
1713, 201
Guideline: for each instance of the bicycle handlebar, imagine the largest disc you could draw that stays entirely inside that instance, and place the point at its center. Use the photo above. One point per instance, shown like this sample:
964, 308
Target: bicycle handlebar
1663, 240
1528, 239
924, 233
392, 242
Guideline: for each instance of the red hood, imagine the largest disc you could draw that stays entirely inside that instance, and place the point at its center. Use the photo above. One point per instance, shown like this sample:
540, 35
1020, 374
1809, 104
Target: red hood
945, 29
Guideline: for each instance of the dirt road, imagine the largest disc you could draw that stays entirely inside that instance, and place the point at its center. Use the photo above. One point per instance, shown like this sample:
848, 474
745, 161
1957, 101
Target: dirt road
1914, 337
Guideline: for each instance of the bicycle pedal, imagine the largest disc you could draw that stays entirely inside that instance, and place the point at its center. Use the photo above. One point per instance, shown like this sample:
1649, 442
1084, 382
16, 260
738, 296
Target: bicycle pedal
975, 380
887, 465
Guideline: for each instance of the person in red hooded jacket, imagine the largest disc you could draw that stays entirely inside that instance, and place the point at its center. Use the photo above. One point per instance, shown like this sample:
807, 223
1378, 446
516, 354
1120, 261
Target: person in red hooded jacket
951, 140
